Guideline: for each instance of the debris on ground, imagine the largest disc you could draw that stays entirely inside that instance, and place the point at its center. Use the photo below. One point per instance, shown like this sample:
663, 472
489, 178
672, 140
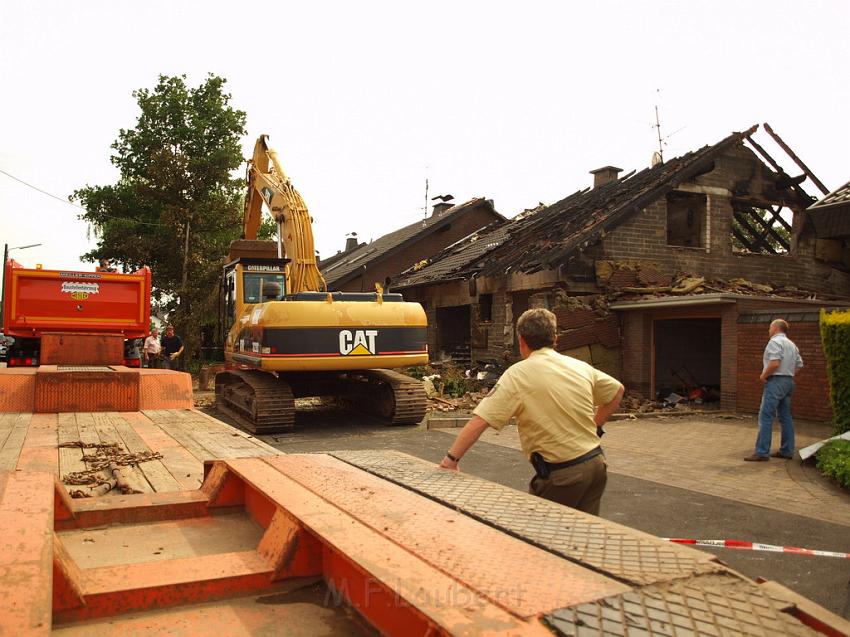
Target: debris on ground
467, 402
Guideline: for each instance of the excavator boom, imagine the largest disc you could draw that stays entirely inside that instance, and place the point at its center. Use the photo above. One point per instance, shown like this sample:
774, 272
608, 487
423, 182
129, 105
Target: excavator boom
268, 183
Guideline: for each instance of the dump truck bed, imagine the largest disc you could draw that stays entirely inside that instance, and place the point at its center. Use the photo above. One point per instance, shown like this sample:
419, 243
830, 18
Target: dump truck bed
38, 301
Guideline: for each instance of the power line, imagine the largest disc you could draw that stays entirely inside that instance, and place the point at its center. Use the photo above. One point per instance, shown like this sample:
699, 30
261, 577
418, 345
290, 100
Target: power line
70, 203
43, 192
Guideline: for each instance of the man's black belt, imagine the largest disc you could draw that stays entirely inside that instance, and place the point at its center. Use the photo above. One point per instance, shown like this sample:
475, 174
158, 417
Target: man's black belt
544, 469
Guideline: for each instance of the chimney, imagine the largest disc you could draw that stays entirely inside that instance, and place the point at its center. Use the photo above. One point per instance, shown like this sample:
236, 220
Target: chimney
605, 175
440, 207
444, 202
351, 242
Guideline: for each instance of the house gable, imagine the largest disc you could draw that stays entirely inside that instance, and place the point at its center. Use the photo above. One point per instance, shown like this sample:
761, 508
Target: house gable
392, 253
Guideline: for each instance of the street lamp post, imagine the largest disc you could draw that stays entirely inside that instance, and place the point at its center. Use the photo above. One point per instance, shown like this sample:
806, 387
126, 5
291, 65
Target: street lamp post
6, 250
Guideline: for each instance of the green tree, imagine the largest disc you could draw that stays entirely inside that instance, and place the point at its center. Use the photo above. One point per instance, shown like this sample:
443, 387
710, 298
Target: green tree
176, 205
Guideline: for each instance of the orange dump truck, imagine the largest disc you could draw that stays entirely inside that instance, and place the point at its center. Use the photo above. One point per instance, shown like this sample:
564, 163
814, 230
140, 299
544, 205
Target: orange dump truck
75, 347
66, 317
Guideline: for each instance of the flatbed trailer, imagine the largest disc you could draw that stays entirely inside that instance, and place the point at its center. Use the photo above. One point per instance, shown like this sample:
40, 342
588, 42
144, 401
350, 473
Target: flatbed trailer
354, 542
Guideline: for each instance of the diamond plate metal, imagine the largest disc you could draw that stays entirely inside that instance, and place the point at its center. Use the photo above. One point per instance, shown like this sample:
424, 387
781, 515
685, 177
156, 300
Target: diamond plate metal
83, 368
500, 568
63, 391
614, 550
706, 606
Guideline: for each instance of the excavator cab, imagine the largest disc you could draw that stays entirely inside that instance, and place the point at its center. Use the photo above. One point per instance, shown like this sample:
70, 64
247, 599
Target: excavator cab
248, 281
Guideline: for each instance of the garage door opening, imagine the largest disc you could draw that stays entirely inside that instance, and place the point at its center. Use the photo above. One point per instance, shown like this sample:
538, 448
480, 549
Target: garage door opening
453, 334
687, 361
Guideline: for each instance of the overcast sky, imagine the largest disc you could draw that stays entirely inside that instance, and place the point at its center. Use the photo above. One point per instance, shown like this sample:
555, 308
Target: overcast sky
363, 100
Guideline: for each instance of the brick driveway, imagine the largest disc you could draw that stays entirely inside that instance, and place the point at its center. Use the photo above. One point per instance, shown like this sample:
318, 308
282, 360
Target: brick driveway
705, 454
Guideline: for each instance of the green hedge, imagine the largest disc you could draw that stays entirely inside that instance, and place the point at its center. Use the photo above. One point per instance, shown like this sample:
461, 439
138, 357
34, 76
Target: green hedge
835, 335
834, 461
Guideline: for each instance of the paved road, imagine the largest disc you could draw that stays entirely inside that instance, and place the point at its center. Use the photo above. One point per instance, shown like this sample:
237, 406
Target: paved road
698, 487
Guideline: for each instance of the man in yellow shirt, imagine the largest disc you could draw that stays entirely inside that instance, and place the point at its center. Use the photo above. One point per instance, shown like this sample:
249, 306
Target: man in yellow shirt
560, 404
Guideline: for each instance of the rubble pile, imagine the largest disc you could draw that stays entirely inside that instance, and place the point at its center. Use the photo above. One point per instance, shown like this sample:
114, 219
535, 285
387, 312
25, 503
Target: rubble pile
633, 280
467, 402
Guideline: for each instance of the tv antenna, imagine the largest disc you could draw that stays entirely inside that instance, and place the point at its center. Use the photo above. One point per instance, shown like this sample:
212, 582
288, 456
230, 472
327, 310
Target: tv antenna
662, 141
426, 194
658, 130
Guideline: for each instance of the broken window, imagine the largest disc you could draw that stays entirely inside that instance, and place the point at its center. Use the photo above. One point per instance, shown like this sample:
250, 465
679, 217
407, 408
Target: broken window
760, 229
686, 219
453, 334
485, 307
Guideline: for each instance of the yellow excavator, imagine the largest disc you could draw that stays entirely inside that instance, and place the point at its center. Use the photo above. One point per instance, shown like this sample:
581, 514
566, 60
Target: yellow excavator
290, 337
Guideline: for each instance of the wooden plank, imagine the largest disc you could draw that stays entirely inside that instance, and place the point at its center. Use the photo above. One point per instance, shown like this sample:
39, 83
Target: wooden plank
179, 461
7, 424
223, 426
70, 458
85, 425
217, 438
155, 471
176, 428
223, 448
228, 445
11, 451
109, 435
40, 450
195, 420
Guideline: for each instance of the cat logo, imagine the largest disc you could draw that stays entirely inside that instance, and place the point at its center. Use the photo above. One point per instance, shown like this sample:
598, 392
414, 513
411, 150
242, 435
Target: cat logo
357, 343
79, 296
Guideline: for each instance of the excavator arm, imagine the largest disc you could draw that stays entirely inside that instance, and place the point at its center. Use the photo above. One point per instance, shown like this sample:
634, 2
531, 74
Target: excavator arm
267, 182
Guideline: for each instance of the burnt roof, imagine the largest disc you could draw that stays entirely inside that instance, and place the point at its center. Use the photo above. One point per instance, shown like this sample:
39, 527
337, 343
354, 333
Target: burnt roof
559, 231
458, 259
548, 236
341, 268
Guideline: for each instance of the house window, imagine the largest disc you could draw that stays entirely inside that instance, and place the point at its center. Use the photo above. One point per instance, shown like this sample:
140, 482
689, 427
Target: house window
761, 229
485, 307
686, 219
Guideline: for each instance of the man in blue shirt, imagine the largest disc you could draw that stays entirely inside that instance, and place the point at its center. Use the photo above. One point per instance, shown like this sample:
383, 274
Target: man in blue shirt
781, 360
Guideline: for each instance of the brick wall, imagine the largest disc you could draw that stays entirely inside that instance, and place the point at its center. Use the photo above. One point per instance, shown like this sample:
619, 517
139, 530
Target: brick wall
811, 396
741, 347
729, 353
637, 352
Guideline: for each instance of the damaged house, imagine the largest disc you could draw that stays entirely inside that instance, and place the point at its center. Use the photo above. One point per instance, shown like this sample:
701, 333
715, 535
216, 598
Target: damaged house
666, 278
360, 266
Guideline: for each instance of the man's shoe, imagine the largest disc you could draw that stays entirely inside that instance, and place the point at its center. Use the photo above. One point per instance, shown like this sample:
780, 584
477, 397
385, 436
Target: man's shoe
756, 458
776, 454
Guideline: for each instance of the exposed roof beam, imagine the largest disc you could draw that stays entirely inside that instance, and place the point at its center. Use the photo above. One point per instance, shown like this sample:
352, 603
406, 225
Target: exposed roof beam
796, 159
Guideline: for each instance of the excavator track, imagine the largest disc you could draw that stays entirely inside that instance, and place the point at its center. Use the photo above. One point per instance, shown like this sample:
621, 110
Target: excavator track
395, 398
259, 401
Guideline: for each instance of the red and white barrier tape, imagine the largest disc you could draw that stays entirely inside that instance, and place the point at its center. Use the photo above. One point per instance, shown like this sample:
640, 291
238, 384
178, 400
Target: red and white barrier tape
755, 546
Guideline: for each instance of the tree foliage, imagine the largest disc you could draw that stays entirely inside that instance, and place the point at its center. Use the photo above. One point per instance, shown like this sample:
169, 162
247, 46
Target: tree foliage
176, 205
